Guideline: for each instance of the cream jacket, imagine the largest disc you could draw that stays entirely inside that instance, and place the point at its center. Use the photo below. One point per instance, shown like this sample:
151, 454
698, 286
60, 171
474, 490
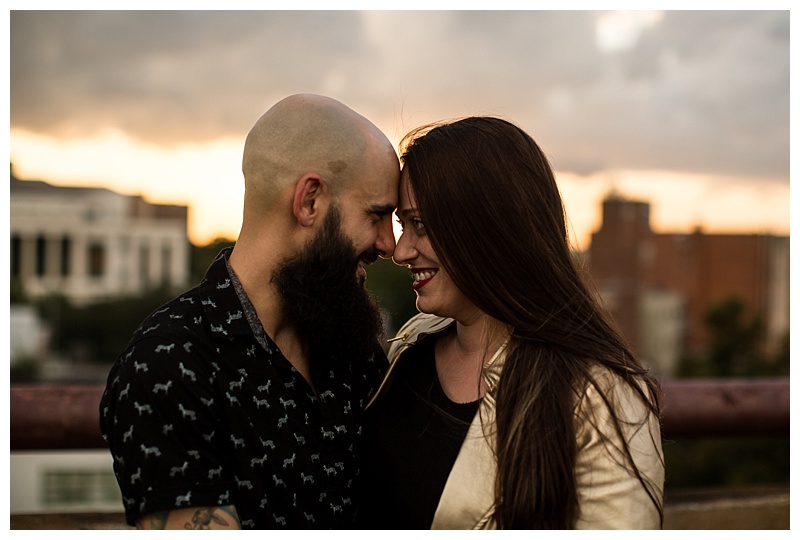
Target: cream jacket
609, 496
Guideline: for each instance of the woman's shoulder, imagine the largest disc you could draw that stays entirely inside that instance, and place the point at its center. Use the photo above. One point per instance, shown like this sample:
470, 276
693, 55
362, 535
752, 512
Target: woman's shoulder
611, 404
628, 395
603, 378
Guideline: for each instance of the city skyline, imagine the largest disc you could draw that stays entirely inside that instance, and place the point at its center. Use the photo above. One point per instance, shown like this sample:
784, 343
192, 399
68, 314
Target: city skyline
686, 110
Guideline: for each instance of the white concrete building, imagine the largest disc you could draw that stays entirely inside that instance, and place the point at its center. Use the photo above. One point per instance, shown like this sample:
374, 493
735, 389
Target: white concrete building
28, 336
93, 243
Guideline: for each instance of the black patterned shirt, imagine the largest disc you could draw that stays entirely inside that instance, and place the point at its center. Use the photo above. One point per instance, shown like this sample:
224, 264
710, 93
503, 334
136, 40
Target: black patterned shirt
202, 409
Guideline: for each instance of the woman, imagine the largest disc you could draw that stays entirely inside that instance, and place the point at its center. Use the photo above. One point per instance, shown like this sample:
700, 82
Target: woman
511, 402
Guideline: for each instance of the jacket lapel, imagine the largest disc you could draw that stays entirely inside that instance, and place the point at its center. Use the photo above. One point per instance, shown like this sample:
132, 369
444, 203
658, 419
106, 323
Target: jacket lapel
467, 500
468, 496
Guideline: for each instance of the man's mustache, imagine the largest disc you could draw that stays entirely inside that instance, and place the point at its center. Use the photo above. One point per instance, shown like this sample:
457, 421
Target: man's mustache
369, 256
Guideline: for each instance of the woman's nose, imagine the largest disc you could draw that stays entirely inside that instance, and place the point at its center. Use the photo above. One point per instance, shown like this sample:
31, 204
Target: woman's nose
404, 251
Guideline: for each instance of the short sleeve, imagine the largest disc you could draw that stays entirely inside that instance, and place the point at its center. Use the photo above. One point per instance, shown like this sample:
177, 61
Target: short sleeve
160, 418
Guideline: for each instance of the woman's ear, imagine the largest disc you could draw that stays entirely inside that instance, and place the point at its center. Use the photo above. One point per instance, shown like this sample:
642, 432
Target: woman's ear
307, 199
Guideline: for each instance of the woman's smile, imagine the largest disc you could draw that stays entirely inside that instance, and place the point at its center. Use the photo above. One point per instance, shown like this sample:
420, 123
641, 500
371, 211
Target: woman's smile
422, 276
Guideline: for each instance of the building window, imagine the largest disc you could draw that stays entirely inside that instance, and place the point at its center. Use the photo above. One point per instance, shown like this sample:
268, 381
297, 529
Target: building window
41, 252
144, 264
166, 264
16, 255
97, 260
124, 270
79, 488
66, 252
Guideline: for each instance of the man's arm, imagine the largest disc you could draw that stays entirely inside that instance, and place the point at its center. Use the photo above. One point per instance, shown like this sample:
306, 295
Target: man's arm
199, 518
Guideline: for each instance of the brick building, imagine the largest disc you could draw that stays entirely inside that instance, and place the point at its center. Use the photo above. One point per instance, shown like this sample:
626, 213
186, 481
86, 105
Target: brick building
659, 287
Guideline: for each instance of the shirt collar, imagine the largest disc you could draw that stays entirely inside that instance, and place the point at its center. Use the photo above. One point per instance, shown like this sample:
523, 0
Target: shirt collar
226, 304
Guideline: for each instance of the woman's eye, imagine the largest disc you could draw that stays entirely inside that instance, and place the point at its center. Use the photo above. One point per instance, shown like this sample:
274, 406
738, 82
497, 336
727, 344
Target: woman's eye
416, 224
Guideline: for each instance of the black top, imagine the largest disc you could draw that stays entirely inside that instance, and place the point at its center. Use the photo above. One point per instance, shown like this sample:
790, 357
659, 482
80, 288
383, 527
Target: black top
412, 435
202, 409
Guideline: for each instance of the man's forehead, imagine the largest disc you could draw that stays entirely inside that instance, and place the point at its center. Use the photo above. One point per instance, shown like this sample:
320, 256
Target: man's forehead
381, 191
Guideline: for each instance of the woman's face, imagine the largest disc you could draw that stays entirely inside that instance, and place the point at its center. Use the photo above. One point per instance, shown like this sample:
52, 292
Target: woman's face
436, 292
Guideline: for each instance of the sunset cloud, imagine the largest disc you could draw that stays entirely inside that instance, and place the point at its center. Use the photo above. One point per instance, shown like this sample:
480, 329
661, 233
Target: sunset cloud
701, 94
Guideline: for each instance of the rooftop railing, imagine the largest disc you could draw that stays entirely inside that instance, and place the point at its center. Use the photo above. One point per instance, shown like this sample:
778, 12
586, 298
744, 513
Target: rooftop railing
66, 417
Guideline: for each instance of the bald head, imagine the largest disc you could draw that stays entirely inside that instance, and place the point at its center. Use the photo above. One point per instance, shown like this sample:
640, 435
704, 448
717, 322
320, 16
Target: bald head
307, 133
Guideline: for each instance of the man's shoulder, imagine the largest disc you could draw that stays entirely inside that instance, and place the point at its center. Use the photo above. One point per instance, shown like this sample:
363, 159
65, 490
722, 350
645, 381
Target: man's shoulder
176, 315
173, 339
187, 309
174, 327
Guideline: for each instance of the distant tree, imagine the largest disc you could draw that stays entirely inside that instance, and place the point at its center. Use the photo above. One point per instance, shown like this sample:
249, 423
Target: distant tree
97, 332
777, 364
390, 285
734, 348
25, 370
17, 291
201, 257
734, 351
736, 461
54, 310
734, 339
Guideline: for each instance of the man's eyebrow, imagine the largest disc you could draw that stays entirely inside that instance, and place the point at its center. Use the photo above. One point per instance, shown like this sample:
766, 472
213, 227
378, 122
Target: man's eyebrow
382, 209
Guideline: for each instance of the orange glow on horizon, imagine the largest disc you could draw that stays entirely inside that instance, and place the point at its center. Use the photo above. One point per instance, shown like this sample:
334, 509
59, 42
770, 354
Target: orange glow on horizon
207, 178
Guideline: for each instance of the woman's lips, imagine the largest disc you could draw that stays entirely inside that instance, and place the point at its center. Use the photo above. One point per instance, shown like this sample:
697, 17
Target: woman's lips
422, 277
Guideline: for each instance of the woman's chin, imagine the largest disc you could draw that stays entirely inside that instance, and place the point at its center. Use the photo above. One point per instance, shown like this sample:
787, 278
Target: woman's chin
425, 307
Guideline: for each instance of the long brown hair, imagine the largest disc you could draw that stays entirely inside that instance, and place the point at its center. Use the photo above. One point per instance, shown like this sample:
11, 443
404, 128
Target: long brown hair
495, 217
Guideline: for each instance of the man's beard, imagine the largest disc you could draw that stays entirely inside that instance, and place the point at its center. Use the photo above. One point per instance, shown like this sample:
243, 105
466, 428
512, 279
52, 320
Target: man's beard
323, 299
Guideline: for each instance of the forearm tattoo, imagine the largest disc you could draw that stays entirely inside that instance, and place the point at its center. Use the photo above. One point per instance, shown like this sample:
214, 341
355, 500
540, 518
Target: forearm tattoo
206, 518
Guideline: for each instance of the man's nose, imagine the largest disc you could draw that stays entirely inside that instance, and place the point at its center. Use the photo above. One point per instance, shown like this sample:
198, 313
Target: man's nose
385, 242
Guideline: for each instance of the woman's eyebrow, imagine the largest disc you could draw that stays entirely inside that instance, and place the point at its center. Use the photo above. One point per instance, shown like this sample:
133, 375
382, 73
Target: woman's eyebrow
405, 212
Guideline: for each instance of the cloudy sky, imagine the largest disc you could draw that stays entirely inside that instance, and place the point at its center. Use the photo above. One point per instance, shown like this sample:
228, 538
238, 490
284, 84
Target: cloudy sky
686, 109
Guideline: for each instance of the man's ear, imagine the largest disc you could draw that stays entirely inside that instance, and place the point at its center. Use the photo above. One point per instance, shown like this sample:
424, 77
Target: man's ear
307, 199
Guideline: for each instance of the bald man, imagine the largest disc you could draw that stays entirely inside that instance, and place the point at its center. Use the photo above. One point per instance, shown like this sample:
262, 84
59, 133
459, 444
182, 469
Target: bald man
238, 404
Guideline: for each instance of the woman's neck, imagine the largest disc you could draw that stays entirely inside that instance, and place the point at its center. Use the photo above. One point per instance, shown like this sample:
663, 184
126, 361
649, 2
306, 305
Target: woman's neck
461, 355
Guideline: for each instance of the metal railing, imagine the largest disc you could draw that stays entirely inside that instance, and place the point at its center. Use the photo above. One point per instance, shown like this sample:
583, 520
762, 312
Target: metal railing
54, 416
66, 417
